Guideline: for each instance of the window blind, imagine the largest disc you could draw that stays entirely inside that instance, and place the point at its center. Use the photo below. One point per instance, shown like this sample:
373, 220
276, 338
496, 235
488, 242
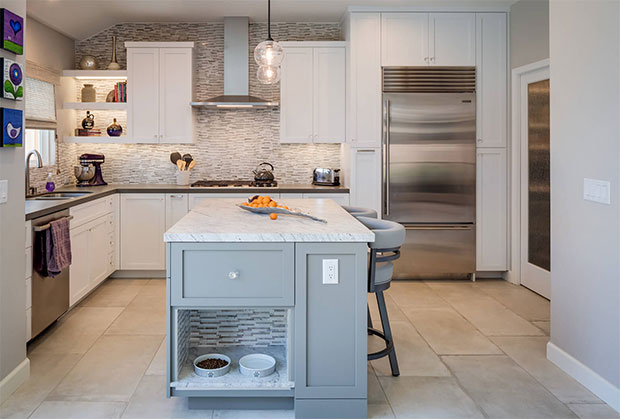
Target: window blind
40, 101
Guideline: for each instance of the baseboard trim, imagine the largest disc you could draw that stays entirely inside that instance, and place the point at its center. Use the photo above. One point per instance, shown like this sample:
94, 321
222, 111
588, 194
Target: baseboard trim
14, 379
130, 274
598, 385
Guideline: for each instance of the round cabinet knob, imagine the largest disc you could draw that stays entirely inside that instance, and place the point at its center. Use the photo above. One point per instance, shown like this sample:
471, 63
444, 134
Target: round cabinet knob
233, 275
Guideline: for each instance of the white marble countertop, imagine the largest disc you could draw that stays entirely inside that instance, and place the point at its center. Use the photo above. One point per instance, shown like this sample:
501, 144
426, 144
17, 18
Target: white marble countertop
220, 220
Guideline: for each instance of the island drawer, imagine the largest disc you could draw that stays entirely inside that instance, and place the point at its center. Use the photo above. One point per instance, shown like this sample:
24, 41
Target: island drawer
232, 274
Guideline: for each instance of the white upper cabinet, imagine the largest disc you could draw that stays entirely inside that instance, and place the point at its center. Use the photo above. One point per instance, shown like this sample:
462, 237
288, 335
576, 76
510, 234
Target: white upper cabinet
313, 93
491, 73
364, 35
404, 39
159, 92
452, 39
296, 96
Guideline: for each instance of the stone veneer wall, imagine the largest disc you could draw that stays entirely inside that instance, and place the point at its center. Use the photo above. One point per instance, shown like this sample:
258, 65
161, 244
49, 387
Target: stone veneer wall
228, 143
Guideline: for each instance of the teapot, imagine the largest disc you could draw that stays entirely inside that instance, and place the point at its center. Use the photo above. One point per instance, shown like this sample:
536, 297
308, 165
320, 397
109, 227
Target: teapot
262, 174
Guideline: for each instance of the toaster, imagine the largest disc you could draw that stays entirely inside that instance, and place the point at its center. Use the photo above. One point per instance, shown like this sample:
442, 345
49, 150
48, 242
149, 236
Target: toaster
326, 177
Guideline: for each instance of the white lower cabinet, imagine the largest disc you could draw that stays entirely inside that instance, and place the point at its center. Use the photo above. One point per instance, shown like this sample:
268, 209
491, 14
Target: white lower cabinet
341, 198
143, 223
80, 283
196, 199
177, 206
366, 178
491, 211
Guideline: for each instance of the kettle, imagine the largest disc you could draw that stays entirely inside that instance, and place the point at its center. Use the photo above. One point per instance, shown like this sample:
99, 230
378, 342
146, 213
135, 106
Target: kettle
262, 174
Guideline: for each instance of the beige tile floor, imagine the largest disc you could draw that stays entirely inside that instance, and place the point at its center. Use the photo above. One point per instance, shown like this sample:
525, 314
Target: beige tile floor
466, 350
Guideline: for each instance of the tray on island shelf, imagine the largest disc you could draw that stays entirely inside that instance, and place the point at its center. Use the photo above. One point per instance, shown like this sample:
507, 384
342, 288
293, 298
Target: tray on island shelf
271, 210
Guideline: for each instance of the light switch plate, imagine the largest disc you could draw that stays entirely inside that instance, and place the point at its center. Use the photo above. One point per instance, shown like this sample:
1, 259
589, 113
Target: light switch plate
330, 271
597, 191
4, 191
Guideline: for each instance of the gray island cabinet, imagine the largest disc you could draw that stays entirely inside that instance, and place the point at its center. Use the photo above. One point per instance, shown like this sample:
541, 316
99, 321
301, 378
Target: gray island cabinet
241, 283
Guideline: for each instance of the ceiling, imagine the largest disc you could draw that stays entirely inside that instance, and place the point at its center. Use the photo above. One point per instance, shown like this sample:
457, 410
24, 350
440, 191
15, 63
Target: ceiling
80, 19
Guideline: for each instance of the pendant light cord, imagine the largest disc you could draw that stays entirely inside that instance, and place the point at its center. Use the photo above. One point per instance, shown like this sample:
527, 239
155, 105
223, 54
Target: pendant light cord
269, 38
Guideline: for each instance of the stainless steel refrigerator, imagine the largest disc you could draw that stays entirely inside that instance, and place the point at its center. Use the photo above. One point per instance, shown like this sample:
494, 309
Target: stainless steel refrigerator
429, 168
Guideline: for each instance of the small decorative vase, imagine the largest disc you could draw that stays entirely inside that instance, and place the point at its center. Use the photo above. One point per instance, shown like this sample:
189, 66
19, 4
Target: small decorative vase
110, 96
115, 129
89, 94
88, 62
89, 121
114, 64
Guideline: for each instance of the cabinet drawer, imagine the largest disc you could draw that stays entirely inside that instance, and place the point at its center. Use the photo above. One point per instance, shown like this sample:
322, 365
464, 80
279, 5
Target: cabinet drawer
232, 274
91, 211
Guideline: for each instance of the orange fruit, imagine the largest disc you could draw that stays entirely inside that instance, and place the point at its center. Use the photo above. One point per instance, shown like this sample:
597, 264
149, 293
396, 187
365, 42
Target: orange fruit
267, 198
273, 204
273, 216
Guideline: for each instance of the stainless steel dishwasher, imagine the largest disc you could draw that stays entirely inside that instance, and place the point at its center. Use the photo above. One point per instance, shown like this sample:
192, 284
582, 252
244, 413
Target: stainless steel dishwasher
50, 296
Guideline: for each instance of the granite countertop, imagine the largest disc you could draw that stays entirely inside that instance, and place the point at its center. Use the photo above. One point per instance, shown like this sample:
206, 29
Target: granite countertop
220, 220
35, 208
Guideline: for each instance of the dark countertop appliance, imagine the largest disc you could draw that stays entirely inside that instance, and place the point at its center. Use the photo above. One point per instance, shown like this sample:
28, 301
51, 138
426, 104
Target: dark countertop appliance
89, 160
326, 177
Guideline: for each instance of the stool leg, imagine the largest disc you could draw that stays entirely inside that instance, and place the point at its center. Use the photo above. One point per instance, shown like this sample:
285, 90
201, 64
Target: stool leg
369, 318
385, 323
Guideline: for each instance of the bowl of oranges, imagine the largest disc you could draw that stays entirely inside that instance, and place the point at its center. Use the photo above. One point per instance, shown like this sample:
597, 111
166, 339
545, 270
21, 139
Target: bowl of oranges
265, 205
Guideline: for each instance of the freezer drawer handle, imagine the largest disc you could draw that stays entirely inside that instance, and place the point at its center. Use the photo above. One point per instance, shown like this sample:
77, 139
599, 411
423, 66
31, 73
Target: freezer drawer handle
46, 226
436, 227
386, 175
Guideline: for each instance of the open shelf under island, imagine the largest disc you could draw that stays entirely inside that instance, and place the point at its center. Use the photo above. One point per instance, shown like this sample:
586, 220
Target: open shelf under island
240, 283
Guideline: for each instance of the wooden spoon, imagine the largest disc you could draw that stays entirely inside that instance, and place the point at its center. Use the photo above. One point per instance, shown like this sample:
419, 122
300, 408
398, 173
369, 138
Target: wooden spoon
180, 164
191, 165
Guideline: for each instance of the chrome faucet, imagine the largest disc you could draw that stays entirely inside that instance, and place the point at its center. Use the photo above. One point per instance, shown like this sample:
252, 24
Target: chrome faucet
32, 191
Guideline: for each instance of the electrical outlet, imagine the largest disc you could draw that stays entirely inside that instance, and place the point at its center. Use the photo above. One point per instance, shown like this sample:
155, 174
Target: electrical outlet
330, 271
4, 191
597, 191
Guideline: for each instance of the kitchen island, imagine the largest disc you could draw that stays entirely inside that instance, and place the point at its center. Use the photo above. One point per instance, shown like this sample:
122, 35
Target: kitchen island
240, 283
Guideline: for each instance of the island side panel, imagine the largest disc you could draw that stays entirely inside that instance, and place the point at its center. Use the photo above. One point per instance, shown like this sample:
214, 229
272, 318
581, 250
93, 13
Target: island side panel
330, 331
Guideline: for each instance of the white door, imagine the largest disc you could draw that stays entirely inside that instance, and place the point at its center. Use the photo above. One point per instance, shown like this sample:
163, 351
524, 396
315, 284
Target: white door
366, 178
404, 39
535, 182
175, 95
143, 94
98, 251
329, 95
143, 222
296, 96
365, 81
452, 39
491, 209
79, 280
177, 206
491, 74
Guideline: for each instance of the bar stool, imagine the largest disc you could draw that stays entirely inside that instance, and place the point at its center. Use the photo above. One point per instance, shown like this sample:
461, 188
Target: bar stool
360, 212
389, 237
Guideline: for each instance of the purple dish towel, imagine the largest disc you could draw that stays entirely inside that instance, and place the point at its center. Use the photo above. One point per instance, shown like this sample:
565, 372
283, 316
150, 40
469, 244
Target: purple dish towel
58, 247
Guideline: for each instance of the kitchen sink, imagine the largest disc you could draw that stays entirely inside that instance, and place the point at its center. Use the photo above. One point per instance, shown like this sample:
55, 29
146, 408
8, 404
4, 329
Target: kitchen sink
59, 196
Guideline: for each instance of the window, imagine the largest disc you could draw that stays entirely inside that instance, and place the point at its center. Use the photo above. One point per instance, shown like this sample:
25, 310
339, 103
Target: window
40, 103
43, 140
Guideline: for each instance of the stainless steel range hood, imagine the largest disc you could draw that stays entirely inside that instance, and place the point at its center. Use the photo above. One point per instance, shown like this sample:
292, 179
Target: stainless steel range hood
236, 70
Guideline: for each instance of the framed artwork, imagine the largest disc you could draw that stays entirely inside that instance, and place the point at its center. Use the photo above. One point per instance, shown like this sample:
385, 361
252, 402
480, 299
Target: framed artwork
12, 31
12, 127
12, 79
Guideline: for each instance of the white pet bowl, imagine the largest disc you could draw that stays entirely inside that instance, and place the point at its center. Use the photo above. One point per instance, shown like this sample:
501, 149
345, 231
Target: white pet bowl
257, 365
218, 372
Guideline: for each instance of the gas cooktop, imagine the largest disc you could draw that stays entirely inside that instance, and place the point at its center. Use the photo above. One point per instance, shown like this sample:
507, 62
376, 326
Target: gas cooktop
233, 184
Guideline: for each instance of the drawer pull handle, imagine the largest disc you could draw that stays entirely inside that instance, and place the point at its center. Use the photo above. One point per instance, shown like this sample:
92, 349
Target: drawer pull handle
233, 274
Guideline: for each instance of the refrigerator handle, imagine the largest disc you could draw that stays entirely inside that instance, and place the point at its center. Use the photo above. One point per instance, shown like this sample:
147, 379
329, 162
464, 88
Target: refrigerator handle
386, 160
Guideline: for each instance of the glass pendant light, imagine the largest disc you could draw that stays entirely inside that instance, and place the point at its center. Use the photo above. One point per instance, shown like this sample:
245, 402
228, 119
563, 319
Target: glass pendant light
268, 55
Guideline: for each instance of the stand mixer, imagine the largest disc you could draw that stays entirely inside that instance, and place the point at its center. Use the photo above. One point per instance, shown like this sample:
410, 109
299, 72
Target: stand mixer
88, 173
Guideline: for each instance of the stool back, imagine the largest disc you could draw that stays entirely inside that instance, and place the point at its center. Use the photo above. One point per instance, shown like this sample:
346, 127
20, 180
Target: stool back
360, 212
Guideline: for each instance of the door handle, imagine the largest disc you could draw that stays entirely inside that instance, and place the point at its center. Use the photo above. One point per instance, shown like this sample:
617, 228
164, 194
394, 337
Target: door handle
386, 165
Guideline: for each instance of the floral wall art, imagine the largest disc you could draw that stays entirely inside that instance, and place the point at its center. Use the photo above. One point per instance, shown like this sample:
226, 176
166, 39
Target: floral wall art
12, 31
12, 79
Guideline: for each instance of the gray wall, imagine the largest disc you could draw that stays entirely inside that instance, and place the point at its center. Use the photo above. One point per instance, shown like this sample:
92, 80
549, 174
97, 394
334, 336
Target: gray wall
49, 48
12, 239
529, 32
585, 142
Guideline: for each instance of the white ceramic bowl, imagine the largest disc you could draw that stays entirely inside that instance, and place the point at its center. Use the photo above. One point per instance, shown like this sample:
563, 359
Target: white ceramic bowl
257, 365
218, 372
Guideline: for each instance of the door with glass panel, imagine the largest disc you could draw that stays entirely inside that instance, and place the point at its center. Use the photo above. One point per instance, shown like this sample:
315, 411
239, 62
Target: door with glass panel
535, 183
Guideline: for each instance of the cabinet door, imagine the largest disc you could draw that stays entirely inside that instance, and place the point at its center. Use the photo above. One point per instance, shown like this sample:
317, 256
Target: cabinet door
143, 94
452, 39
404, 39
365, 80
177, 206
196, 199
329, 117
79, 281
340, 198
366, 178
175, 94
491, 217
296, 96
491, 72
98, 251
143, 222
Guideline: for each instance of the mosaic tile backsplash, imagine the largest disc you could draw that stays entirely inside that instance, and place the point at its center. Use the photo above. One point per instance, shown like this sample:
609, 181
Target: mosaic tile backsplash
228, 143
